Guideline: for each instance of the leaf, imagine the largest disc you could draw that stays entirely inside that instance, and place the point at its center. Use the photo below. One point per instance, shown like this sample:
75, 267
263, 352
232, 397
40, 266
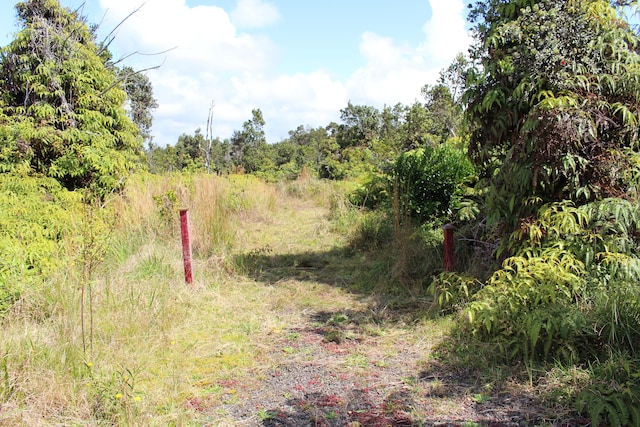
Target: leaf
535, 333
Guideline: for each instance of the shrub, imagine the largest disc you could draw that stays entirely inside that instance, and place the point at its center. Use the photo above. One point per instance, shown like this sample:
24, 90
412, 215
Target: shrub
429, 180
570, 291
613, 393
37, 214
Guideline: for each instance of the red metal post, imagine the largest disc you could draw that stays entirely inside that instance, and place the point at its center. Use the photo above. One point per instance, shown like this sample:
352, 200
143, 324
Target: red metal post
186, 245
448, 247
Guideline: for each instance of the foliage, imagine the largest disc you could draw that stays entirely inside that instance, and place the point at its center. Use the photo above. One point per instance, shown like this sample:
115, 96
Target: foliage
553, 103
190, 152
452, 291
141, 100
249, 146
38, 215
374, 192
429, 180
613, 394
444, 115
62, 109
570, 292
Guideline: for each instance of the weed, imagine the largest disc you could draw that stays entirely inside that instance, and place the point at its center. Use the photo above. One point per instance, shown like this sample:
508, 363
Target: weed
292, 336
265, 415
357, 361
481, 398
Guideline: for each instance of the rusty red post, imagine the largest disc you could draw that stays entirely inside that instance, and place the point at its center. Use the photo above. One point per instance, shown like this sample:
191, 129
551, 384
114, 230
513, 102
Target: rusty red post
186, 245
448, 247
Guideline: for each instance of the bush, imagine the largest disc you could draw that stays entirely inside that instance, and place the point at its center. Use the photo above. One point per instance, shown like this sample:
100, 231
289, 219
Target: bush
429, 180
374, 193
570, 291
37, 214
613, 393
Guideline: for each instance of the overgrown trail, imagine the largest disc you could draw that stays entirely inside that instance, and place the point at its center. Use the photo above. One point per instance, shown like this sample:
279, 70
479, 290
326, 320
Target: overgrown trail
333, 356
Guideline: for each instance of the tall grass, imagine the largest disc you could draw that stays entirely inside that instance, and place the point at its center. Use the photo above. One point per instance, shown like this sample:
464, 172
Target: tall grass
402, 256
117, 338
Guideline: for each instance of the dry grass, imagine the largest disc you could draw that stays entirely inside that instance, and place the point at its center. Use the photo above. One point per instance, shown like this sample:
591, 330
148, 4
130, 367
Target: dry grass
149, 342
141, 347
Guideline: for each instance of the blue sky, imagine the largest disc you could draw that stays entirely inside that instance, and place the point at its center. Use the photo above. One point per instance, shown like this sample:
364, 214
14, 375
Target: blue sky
299, 61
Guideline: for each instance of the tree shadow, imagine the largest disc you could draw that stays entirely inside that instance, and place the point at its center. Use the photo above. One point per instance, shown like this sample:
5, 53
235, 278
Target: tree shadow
359, 273
420, 398
331, 267
403, 408
489, 401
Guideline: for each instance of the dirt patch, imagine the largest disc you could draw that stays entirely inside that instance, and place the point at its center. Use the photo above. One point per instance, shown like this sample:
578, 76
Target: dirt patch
354, 381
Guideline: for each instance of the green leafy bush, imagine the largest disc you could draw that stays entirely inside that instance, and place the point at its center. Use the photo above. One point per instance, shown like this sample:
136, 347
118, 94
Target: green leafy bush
452, 291
613, 394
62, 109
429, 180
375, 192
37, 214
526, 309
569, 294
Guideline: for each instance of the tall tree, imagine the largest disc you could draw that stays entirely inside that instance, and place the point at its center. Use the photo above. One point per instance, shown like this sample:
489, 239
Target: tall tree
62, 111
554, 103
141, 101
190, 150
444, 114
249, 145
455, 76
417, 126
360, 125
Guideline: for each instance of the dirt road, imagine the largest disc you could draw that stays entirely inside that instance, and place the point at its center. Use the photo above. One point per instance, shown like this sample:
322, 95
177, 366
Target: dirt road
343, 358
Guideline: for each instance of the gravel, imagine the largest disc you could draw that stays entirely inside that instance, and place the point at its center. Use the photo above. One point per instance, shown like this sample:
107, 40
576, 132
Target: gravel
328, 376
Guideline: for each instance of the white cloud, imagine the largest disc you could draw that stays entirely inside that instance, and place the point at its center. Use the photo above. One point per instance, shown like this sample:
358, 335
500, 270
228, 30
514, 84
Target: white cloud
395, 73
446, 33
392, 73
288, 101
203, 36
215, 61
254, 14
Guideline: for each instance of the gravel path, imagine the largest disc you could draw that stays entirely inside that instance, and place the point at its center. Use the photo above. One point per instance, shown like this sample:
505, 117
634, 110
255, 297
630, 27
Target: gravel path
326, 381
358, 366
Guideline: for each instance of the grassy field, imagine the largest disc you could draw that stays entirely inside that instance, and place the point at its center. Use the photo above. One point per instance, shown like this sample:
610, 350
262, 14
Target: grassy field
285, 319
120, 339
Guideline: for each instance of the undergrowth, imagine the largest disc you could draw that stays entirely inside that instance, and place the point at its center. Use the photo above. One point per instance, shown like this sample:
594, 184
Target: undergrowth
568, 294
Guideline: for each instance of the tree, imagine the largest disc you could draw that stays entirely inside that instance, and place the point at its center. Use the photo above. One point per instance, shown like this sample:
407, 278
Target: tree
417, 126
141, 101
554, 102
62, 109
444, 114
190, 151
208, 147
455, 77
360, 125
429, 180
249, 146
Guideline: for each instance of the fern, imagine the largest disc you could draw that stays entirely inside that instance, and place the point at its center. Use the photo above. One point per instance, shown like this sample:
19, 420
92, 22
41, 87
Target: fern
613, 395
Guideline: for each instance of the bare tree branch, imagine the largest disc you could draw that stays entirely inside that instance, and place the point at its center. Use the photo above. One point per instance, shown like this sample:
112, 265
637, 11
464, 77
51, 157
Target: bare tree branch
111, 35
137, 52
120, 80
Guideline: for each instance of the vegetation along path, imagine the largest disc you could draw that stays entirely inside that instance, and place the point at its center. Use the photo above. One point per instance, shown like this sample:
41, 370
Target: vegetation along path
334, 356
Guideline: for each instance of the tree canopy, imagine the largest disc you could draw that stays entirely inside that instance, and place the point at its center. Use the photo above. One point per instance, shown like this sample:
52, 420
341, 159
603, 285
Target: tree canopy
61, 106
554, 101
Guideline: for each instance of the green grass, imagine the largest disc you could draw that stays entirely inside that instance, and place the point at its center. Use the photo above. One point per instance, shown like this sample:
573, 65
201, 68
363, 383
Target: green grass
139, 347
